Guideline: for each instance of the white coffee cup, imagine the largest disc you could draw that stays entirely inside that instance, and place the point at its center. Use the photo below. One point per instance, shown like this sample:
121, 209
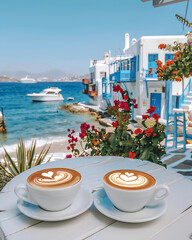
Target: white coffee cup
48, 198
128, 200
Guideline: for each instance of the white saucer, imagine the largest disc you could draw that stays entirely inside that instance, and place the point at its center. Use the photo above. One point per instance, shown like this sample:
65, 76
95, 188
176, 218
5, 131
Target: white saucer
82, 202
148, 213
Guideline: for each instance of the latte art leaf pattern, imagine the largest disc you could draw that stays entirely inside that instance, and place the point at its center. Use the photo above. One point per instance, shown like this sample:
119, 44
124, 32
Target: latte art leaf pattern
51, 178
128, 179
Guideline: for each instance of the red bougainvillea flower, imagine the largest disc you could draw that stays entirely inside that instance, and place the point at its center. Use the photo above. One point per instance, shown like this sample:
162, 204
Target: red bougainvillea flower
117, 103
149, 131
69, 156
161, 46
156, 116
154, 134
134, 100
125, 97
145, 117
114, 108
135, 105
138, 131
68, 148
124, 105
68, 130
131, 155
151, 109
117, 89
114, 124
73, 131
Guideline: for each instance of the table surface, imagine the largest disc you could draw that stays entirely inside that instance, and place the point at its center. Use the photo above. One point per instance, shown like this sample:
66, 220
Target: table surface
175, 224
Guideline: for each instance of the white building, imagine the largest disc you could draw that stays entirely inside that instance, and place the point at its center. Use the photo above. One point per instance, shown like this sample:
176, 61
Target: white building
131, 72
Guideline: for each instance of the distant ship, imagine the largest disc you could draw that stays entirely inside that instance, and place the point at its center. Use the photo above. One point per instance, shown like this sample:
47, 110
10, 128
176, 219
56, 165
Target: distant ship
27, 80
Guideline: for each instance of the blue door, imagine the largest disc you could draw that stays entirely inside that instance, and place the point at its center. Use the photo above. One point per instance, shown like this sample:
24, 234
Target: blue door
156, 102
151, 61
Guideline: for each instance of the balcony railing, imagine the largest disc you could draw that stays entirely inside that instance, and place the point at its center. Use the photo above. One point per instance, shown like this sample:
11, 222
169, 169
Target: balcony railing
147, 76
123, 76
107, 95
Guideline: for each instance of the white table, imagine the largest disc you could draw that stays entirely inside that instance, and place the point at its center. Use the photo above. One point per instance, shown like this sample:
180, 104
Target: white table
175, 224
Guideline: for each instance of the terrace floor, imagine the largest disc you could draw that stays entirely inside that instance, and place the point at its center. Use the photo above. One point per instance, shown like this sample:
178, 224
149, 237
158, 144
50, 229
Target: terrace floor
179, 161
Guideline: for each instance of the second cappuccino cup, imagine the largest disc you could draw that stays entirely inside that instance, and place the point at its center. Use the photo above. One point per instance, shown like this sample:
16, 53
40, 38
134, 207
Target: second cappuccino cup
131, 190
52, 189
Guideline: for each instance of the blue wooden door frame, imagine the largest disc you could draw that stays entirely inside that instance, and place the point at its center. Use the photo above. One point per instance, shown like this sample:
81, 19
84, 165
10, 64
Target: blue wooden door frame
155, 101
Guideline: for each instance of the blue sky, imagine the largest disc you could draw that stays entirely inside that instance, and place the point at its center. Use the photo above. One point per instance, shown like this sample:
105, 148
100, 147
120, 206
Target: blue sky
40, 35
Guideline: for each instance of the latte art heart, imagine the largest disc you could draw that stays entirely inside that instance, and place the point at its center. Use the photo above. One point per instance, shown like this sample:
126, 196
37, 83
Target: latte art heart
128, 179
51, 179
54, 178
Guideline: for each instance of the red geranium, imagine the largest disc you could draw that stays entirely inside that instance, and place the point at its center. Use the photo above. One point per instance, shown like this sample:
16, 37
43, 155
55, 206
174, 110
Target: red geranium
131, 155
156, 116
138, 130
114, 124
145, 116
149, 131
151, 109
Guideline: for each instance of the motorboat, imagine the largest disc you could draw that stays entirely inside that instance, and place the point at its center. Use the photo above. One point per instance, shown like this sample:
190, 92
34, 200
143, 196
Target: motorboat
27, 80
48, 94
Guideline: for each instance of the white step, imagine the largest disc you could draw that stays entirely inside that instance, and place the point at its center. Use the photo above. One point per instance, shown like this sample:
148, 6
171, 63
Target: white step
186, 106
179, 110
189, 97
188, 102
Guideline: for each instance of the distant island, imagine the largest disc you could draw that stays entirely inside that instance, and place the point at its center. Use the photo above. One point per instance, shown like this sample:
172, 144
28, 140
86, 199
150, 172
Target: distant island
49, 76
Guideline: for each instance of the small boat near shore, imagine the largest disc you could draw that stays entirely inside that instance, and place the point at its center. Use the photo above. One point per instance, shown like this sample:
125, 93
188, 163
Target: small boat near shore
48, 94
70, 98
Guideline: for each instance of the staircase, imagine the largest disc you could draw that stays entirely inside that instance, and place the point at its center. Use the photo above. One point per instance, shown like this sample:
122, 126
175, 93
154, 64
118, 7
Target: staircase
175, 122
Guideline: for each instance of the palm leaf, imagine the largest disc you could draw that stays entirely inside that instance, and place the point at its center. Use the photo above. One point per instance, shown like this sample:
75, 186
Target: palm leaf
184, 21
42, 155
8, 159
31, 154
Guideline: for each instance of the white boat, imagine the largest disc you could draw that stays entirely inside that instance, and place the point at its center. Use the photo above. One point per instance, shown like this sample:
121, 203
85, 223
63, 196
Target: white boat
48, 94
27, 80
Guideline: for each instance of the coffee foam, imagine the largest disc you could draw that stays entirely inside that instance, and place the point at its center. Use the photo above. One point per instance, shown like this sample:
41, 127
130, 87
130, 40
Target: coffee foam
54, 178
129, 179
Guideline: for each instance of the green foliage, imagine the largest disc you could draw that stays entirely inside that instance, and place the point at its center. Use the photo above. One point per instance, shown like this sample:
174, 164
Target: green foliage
25, 159
144, 144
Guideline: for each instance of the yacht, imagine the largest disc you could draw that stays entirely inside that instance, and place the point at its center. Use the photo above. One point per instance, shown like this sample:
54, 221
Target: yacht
27, 80
48, 94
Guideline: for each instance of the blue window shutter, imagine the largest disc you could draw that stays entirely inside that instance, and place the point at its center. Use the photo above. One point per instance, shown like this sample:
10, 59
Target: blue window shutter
169, 56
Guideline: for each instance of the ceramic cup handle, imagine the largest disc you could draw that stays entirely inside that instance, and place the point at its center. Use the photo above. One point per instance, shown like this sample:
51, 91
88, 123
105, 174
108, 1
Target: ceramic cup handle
22, 193
163, 191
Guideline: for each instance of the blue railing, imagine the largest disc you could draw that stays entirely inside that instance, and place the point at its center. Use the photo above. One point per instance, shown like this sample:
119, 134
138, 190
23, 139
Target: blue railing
185, 93
146, 75
123, 76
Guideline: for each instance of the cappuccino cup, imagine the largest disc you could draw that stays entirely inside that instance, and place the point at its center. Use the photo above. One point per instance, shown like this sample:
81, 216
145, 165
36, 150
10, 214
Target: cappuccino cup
131, 190
52, 189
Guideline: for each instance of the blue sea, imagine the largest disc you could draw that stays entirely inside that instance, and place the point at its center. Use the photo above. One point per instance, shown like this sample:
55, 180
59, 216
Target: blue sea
41, 120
